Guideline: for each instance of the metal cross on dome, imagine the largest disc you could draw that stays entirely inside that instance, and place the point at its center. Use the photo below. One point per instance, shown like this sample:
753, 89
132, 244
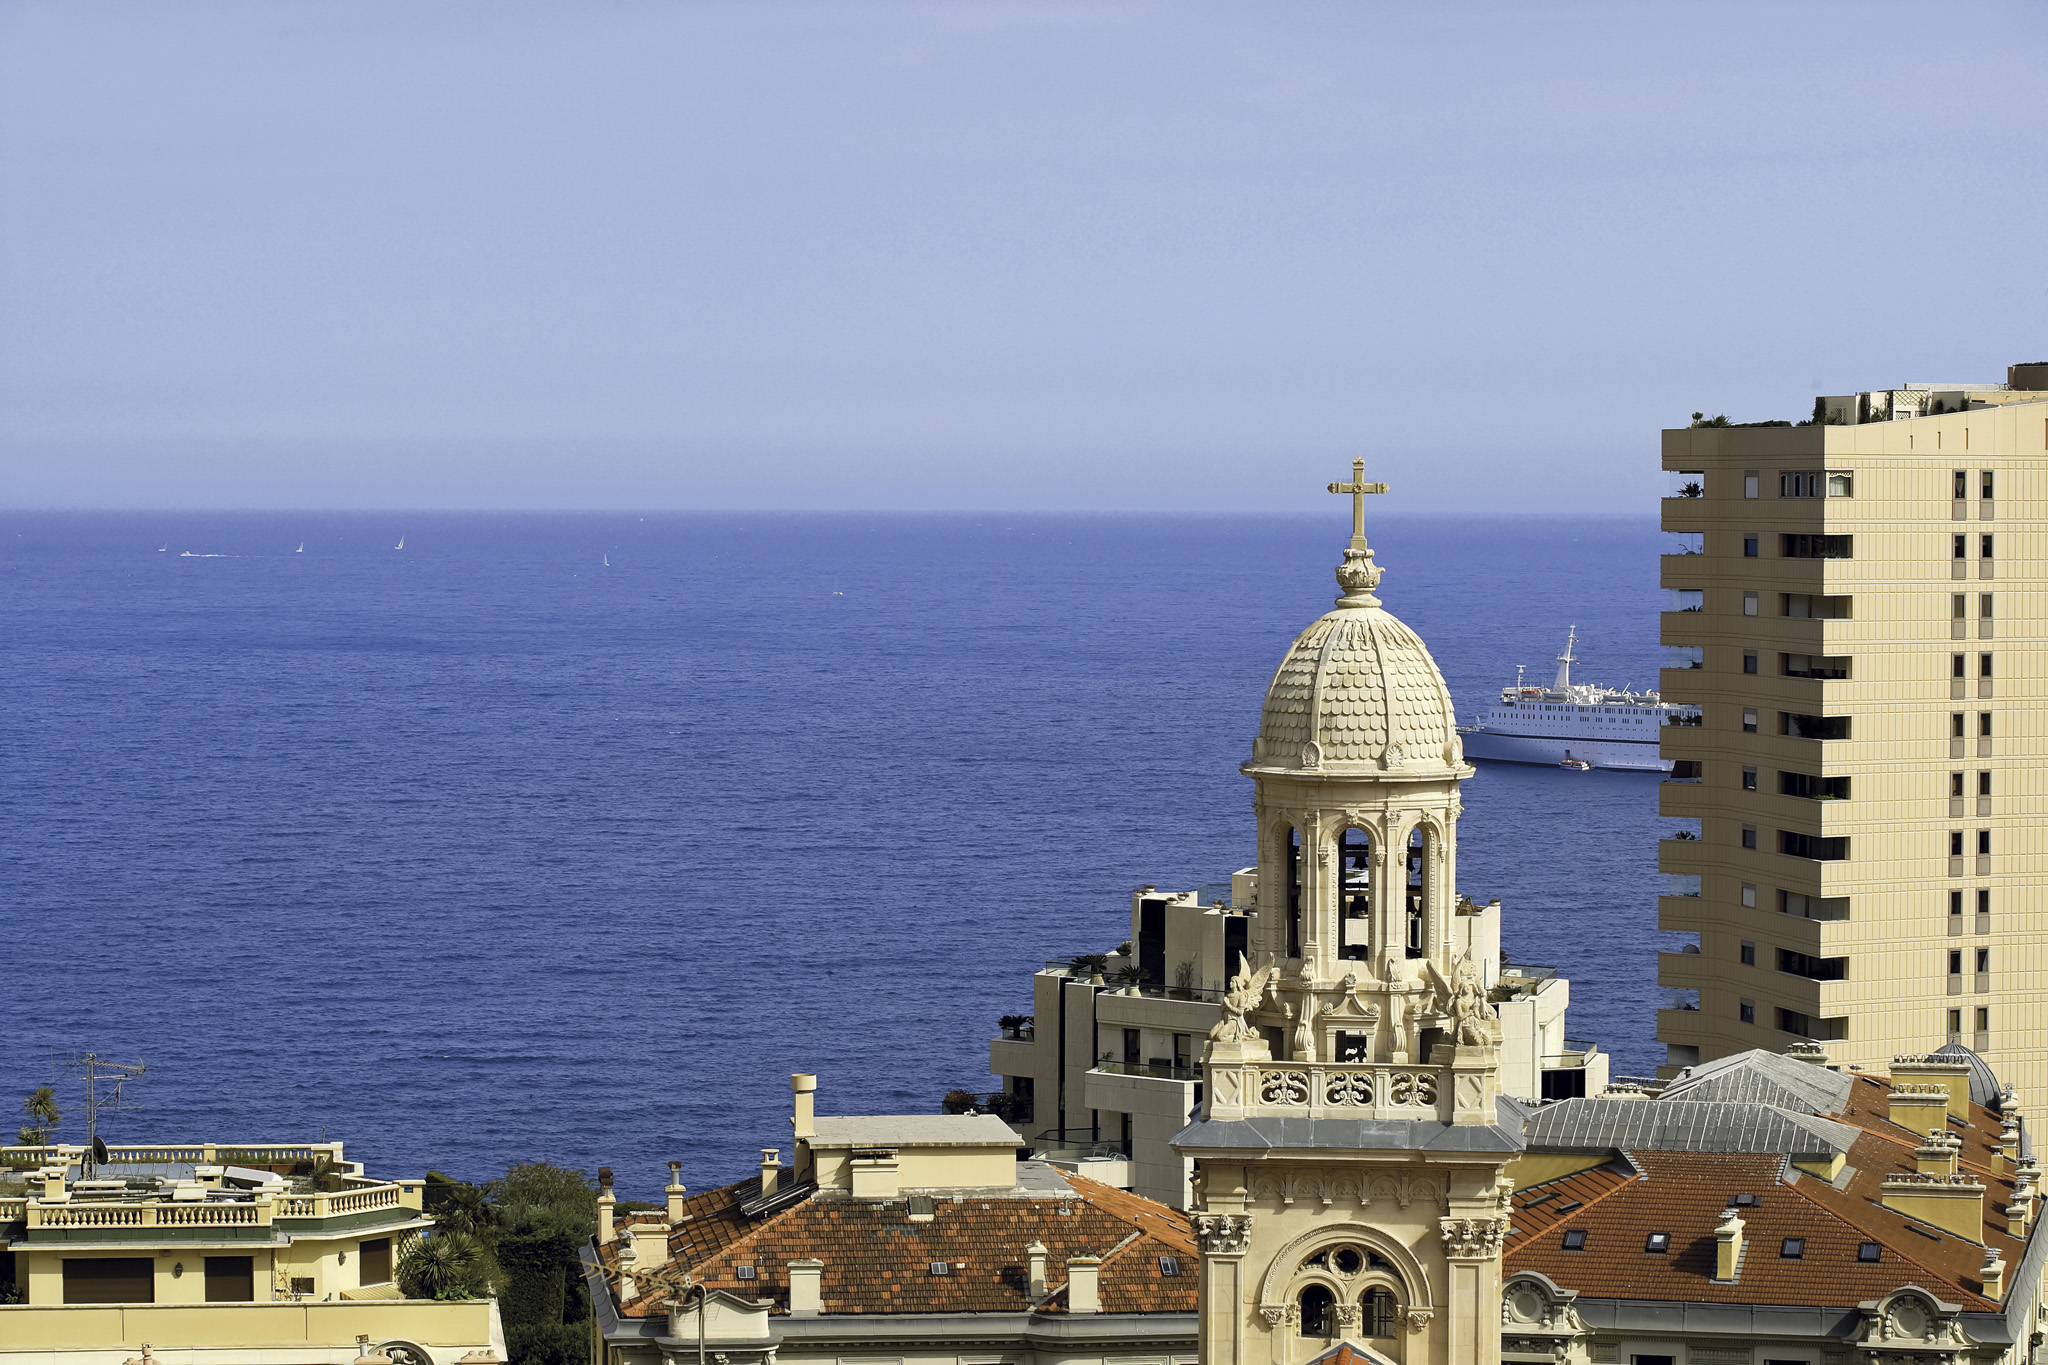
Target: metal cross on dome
1358, 488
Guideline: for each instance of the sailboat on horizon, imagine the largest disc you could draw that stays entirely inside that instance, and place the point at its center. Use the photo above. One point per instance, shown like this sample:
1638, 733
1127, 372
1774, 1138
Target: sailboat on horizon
400, 545
302, 548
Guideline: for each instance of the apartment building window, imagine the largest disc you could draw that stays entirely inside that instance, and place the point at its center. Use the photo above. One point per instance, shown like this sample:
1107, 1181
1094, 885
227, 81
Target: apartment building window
1747, 952
1749, 483
1813, 907
1958, 615
1749, 894
1955, 905
1803, 1026
1813, 788
1985, 487
1983, 734
1983, 1039
1812, 727
1955, 734
1749, 544
1955, 843
1814, 665
1749, 661
1749, 779
1983, 675
1749, 604
1955, 1025
1841, 485
1984, 900
1983, 961
1746, 1011
1822, 850
1955, 962
1816, 547
1984, 615
1962, 485
1955, 794
1748, 720
1958, 673
1749, 836
1983, 843
1802, 483
1959, 551
1813, 968
1801, 606
1984, 557
1983, 793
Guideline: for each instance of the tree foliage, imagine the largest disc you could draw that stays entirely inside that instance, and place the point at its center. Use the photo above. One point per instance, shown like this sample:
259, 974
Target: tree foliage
447, 1265
44, 1117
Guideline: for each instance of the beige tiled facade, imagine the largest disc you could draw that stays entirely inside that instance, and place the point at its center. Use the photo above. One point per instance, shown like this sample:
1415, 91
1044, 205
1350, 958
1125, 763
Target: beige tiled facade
1835, 884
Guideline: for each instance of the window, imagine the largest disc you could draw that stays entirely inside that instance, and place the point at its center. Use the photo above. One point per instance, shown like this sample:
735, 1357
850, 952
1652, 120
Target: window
1749, 894
1748, 720
1816, 547
1955, 902
1792, 1248
746, 1271
1804, 605
1377, 1308
1983, 900
1294, 852
1318, 1311
1748, 953
1962, 484
1746, 1201
1745, 1010
1749, 604
1804, 483
1868, 1252
1985, 486
1841, 485
1813, 968
1749, 482
1983, 665
1813, 727
1815, 665
1984, 606
1959, 547
1355, 895
1575, 1240
1955, 843
1657, 1243
1749, 544
1983, 546
1955, 666
1749, 779
1813, 907
1955, 1022
1983, 725
1169, 1266
303, 1284
1749, 836
1983, 843
373, 1261
1955, 962
1983, 1019
109, 1279
940, 1267
1955, 725
232, 1279
1983, 960
1804, 1026
1813, 788
1749, 661
1955, 786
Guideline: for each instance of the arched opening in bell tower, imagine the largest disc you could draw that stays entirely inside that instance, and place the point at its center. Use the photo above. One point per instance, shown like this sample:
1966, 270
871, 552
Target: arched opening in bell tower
1354, 896
1417, 893
1294, 893
1318, 1312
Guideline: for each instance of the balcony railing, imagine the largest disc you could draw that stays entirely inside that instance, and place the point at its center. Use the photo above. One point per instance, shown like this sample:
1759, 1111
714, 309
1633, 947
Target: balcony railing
1085, 1142
1147, 989
182, 1153
1158, 1070
124, 1215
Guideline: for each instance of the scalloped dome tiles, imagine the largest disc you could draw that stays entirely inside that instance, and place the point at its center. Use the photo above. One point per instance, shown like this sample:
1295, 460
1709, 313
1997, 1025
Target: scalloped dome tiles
1358, 687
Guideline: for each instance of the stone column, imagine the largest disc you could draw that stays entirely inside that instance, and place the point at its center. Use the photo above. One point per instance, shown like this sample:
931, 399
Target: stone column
1220, 1312
1471, 1310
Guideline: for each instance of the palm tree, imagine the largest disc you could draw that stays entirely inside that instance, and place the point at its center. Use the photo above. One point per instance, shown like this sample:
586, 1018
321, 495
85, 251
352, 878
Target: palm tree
43, 1117
447, 1265
323, 1176
463, 1208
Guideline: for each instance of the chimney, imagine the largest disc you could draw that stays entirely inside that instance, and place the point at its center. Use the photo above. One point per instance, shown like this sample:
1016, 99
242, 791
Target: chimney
1728, 1247
606, 1203
804, 1086
1037, 1252
1937, 1155
650, 1248
2018, 1212
1921, 1109
1808, 1050
1953, 1203
806, 1288
1993, 1275
53, 1185
2008, 1144
771, 1170
675, 1192
1083, 1280
1950, 1073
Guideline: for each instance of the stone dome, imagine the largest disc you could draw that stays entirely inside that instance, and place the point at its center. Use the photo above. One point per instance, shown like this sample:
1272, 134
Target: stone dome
1359, 693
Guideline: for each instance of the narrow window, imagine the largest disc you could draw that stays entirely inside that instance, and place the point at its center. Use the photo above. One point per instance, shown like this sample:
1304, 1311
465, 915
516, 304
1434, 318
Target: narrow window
1986, 486
1749, 481
1984, 547
1955, 785
1749, 894
1959, 605
1379, 1311
1957, 666
1955, 1022
1749, 661
1418, 895
1749, 836
1962, 483
1749, 779
1983, 784
1355, 896
1983, 960
1983, 665
1962, 547
1749, 721
1748, 952
1318, 1311
1983, 1019
1955, 725
1294, 892
1984, 606
1983, 725
1955, 962
1749, 544
1955, 843
1745, 1010
1983, 843
1983, 900
1749, 604
1955, 903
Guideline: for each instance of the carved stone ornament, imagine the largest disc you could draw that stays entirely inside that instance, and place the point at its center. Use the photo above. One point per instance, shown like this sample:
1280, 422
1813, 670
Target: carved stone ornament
1393, 758
1418, 1318
1358, 574
1247, 992
1311, 755
1223, 1234
1273, 1313
1472, 1238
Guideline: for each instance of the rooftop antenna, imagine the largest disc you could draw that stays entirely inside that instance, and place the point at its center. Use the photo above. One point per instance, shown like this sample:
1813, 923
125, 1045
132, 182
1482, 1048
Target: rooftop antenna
104, 1081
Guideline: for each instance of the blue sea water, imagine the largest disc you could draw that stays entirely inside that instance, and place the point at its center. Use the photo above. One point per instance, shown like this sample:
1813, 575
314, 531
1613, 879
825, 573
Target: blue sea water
481, 850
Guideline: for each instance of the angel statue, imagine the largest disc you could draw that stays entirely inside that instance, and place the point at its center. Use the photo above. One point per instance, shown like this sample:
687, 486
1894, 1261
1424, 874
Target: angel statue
1463, 999
1247, 993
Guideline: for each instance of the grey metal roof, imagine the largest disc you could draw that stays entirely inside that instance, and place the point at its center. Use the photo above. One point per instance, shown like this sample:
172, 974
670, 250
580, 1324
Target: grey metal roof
1262, 1135
1984, 1084
915, 1130
1684, 1126
1761, 1077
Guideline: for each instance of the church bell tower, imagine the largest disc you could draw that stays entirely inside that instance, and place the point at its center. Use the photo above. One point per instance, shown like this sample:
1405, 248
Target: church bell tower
1350, 1146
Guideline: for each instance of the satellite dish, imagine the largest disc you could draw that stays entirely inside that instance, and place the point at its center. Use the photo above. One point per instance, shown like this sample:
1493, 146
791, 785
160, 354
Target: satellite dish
99, 1151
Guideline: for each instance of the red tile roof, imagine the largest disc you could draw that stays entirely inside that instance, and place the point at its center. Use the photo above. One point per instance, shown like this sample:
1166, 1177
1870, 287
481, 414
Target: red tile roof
877, 1260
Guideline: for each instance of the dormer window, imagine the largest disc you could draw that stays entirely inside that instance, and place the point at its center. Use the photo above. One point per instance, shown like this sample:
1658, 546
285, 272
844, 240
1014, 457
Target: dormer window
942, 1267
743, 1272
1575, 1240
1792, 1248
1868, 1252
1169, 1265
1657, 1243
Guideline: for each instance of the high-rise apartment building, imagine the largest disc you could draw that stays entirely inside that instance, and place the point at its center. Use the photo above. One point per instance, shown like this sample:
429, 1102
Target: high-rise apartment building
1859, 611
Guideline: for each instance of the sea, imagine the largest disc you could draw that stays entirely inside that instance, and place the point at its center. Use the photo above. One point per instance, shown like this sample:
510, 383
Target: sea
570, 836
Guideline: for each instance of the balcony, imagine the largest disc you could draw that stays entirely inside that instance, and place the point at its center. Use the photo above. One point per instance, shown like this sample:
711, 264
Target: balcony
1579, 1070
288, 1330
1163, 1071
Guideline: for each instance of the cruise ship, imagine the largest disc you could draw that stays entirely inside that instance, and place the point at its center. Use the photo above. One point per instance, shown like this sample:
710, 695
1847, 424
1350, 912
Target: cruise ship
1575, 725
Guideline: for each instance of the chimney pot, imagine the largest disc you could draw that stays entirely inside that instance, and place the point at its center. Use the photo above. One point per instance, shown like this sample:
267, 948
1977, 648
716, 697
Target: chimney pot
771, 1170
803, 1086
675, 1192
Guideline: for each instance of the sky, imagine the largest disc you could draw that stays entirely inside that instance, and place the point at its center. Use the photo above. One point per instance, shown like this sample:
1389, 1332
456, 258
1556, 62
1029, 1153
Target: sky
1051, 256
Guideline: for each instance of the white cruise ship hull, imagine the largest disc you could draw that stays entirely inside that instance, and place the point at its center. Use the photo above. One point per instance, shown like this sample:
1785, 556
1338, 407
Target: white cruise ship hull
1549, 750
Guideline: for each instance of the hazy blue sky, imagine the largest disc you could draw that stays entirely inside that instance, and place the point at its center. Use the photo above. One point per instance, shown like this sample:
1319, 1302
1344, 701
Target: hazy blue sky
1001, 255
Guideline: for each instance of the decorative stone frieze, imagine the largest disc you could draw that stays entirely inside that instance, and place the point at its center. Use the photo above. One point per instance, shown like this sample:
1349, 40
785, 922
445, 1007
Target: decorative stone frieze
1223, 1234
1471, 1239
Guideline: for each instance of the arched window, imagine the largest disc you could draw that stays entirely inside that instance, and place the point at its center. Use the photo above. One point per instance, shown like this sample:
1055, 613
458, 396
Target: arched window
1376, 1312
1354, 896
1294, 893
1418, 894
1318, 1312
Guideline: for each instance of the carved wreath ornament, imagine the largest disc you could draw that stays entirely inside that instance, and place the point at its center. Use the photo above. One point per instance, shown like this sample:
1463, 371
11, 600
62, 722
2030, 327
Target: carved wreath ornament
1472, 1238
